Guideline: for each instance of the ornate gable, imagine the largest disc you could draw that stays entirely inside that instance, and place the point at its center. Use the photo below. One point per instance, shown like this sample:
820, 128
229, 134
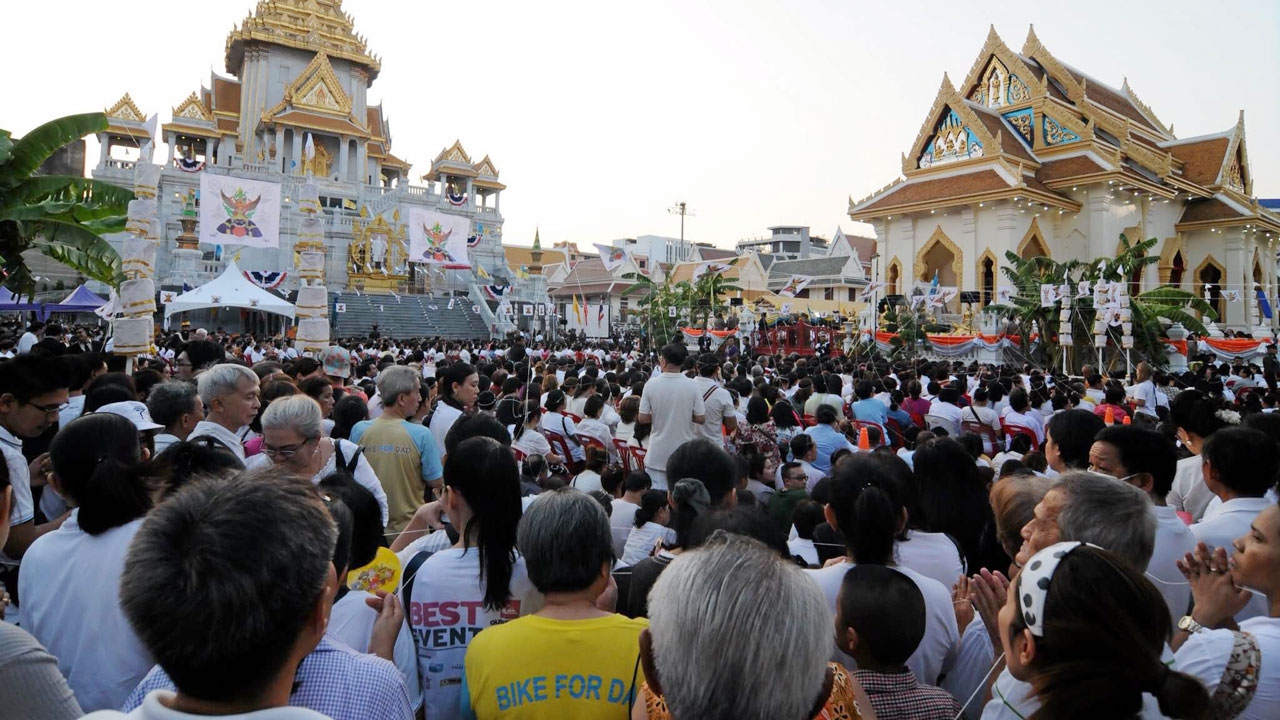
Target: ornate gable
317, 88
126, 110
951, 133
455, 153
192, 109
999, 78
1235, 174
1033, 49
485, 168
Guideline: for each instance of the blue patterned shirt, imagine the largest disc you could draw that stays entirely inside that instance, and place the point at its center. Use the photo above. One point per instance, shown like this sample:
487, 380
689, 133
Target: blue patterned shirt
333, 680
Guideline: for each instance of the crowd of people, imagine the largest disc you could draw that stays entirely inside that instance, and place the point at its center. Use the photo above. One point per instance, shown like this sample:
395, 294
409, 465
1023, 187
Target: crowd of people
589, 531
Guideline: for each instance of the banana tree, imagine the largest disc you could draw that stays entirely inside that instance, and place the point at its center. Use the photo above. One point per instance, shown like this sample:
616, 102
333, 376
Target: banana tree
707, 293
63, 217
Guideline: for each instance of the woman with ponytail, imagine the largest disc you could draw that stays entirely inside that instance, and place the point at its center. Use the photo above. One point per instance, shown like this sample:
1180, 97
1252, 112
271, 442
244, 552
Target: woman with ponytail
69, 577
525, 436
689, 501
865, 506
455, 593
459, 386
1087, 631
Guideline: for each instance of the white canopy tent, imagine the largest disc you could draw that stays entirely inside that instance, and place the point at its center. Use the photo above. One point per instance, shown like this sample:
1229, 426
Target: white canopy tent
230, 289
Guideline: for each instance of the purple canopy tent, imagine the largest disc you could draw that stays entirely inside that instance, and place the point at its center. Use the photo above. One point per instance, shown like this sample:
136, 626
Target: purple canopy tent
12, 303
80, 300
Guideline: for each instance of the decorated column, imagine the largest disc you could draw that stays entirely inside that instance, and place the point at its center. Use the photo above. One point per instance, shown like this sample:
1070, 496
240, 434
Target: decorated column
134, 323
313, 297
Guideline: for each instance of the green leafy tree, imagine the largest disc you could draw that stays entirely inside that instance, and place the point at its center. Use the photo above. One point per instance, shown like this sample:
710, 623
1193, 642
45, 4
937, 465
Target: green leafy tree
64, 217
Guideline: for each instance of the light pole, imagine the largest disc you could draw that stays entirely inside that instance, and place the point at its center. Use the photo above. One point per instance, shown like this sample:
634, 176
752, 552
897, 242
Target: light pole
681, 209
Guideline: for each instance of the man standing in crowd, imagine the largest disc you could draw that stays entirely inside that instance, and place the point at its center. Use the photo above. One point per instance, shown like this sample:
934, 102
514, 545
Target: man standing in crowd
403, 454
230, 393
717, 401
177, 406
673, 405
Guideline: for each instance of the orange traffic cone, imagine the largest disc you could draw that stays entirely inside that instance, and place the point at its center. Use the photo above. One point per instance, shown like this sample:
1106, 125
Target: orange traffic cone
864, 440
1127, 420
1109, 416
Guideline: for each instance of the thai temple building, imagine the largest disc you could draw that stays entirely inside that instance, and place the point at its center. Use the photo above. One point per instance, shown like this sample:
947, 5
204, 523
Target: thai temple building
298, 70
1031, 156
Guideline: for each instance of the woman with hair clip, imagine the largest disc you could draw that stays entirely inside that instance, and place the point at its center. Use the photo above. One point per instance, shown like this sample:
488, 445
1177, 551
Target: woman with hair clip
526, 437
555, 420
865, 506
68, 577
459, 386
1087, 633
649, 528
451, 595
689, 500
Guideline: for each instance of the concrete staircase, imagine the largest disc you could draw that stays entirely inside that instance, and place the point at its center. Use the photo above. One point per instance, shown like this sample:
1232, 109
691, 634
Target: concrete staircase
410, 316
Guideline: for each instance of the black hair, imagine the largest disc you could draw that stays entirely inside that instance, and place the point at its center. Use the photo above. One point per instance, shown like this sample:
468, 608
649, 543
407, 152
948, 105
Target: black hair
825, 414
1243, 459
366, 516
342, 548
593, 406
1196, 412
203, 353
1144, 451
750, 522
189, 460
783, 414
1105, 626
637, 480
953, 497
96, 458
867, 506
485, 473
651, 502
674, 353
703, 460
886, 609
477, 425
1073, 432
454, 374
806, 516
346, 413
29, 376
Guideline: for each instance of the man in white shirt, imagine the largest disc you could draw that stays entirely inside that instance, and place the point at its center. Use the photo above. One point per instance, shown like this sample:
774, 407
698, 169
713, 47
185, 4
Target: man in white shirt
673, 405
230, 394
944, 412
622, 519
1145, 459
717, 401
30, 338
1240, 466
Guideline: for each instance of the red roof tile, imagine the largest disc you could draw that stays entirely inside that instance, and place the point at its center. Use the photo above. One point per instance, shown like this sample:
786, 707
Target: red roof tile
1201, 161
1201, 210
1068, 168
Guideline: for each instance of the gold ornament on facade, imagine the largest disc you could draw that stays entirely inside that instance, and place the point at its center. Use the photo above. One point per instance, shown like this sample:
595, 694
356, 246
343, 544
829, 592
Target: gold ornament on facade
318, 166
378, 255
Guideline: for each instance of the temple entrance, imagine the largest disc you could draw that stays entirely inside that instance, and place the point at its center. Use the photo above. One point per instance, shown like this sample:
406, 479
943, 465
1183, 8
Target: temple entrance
939, 260
894, 277
1211, 287
1175, 272
988, 280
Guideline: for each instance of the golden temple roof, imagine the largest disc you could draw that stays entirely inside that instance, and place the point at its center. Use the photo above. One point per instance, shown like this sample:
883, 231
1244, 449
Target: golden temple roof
314, 25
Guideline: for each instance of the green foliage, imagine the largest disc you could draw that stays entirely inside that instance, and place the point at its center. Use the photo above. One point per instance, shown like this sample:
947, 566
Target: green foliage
1148, 309
62, 217
694, 302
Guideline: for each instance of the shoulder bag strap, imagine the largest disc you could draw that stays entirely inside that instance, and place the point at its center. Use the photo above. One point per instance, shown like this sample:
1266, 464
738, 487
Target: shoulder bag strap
411, 574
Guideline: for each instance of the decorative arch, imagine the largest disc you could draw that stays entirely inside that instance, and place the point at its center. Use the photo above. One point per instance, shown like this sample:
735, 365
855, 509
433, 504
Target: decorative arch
986, 284
1175, 248
893, 277
1033, 244
940, 239
1205, 274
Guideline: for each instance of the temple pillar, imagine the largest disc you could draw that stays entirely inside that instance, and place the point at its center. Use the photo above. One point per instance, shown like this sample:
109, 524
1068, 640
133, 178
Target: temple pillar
969, 244
104, 148
1237, 313
297, 152
497, 202
172, 140
362, 161
342, 158
210, 147
1099, 205
279, 158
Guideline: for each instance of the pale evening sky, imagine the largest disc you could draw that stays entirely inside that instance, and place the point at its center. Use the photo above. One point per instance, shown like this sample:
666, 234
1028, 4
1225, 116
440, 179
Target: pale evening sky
600, 116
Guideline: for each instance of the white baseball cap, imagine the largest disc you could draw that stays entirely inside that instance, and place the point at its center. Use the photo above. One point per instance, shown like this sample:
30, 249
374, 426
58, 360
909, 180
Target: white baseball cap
134, 411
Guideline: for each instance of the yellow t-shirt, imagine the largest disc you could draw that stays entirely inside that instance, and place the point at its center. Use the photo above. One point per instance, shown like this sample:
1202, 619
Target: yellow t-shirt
535, 668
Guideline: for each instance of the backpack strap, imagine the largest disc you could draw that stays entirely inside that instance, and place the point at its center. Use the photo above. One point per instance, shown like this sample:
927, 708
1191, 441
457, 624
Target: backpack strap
411, 574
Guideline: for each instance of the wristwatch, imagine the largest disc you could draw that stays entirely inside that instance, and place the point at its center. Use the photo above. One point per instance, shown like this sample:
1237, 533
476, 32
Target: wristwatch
1189, 624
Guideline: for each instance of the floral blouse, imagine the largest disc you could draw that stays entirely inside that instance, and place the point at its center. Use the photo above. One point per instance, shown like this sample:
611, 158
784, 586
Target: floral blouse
763, 437
841, 704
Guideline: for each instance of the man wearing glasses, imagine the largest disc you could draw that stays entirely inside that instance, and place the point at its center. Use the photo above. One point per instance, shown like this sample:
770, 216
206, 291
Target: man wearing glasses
33, 389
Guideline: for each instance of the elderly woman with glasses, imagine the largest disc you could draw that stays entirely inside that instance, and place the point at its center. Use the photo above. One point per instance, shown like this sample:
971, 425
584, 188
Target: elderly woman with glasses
294, 442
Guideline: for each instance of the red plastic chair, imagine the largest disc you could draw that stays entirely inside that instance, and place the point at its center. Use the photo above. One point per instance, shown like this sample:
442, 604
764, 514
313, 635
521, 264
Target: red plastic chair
519, 454
1011, 430
990, 440
809, 421
896, 438
637, 456
918, 419
560, 445
575, 418
857, 426
624, 454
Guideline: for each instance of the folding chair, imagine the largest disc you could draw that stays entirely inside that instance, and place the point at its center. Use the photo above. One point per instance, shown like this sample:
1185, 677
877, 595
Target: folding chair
1011, 430
990, 440
561, 447
624, 454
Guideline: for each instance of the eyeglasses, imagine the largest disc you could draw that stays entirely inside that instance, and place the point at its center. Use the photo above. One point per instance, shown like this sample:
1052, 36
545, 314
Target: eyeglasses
284, 453
50, 409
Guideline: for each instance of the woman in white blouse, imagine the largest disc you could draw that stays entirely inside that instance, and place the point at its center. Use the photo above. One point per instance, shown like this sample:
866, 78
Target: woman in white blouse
1143, 392
526, 437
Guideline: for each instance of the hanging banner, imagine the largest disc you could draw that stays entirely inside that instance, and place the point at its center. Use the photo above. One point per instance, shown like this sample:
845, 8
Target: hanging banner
234, 211
526, 309
1004, 295
436, 238
794, 285
713, 268
592, 319
1234, 348
716, 338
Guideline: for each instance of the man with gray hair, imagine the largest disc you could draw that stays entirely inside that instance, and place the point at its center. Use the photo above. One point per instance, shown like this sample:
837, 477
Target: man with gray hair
572, 658
697, 654
404, 455
177, 406
230, 395
1084, 507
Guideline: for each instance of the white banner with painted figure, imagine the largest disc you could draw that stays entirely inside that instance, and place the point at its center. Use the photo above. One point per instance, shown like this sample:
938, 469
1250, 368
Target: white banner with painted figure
437, 238
591, 318
235, 211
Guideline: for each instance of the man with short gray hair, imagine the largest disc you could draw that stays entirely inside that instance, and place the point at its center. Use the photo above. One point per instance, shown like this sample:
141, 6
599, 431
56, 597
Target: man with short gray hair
177, 406
230, 394
403, 454
700, 659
